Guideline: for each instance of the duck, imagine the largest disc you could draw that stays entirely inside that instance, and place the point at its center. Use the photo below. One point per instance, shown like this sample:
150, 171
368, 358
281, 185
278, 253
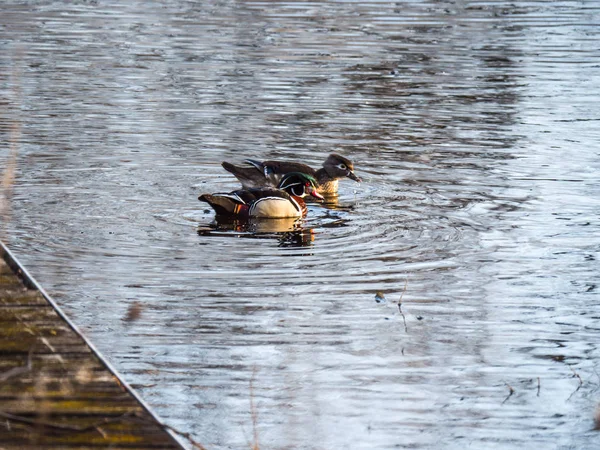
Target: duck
284, 201
269, 173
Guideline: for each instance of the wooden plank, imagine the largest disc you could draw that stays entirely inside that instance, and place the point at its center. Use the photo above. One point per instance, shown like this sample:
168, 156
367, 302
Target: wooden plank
55, 390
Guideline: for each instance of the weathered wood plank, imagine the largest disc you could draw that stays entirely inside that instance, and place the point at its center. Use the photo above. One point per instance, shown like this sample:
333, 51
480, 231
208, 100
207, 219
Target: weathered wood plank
55, 392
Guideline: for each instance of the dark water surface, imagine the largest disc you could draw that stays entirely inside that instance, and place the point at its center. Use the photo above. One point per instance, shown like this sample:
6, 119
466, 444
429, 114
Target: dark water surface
475, 126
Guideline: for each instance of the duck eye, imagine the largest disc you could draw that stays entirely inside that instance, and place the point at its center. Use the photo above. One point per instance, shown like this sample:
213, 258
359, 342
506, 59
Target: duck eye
342, 166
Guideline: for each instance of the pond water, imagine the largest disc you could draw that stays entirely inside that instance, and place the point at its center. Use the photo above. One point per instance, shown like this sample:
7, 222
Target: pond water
474, 126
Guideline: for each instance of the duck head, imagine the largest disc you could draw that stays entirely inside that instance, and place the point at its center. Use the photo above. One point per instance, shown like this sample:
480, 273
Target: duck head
299, 185
337, 166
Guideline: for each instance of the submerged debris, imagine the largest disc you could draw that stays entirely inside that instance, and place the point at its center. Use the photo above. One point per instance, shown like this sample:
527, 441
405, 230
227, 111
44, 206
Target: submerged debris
380, 297
511, 391
134, 312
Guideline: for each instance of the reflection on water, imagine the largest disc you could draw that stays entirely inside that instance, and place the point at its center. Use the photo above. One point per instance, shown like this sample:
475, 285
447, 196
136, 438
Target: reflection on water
474, 128
289, 232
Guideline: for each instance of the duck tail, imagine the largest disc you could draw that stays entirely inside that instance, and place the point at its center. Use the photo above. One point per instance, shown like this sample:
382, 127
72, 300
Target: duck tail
229, 167
249, 176
223, 205
241, 173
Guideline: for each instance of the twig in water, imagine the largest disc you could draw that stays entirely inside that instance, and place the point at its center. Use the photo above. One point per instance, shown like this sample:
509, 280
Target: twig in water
400, 306
403, 317
253, 412
403, 290
576, 375
8, 176
188, 436
511, 391
596, 372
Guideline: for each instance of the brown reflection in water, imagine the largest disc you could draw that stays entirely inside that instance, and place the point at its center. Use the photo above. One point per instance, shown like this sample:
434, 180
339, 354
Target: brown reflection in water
8, 175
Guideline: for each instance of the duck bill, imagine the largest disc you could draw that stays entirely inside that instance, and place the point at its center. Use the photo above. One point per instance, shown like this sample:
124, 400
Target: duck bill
316, 195
352, 176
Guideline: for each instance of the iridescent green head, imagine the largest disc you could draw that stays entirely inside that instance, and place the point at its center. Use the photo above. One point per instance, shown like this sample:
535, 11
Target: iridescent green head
299, 185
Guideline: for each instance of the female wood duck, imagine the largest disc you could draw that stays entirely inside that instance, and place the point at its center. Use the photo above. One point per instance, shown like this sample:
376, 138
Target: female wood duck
285, 201
269, 173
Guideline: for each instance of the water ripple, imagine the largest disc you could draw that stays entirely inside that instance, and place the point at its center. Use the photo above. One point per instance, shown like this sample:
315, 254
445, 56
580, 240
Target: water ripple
399, 314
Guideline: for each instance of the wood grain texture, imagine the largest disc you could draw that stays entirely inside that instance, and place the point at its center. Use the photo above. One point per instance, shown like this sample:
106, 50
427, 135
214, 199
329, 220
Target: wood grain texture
54, 391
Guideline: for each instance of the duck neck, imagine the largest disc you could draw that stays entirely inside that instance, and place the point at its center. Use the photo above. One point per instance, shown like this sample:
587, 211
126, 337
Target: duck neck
322, 176
299, 201
327, 184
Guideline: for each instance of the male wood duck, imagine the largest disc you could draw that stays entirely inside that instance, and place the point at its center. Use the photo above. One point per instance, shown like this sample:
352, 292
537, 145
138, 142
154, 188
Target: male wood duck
268, 173
285, 201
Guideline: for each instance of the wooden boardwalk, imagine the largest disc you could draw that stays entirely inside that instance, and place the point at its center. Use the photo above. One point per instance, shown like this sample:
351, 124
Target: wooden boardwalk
55, 391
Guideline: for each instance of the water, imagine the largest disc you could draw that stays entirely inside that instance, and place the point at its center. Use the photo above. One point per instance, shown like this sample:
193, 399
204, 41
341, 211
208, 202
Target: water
474, 126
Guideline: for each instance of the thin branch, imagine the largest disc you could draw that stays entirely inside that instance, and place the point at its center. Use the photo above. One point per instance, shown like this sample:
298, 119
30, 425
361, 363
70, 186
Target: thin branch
574, 392
596, 372
511, 391
103, 433
188, 436
65, 427
400, 306
575, 374
403, 290
253, 411
403, 317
